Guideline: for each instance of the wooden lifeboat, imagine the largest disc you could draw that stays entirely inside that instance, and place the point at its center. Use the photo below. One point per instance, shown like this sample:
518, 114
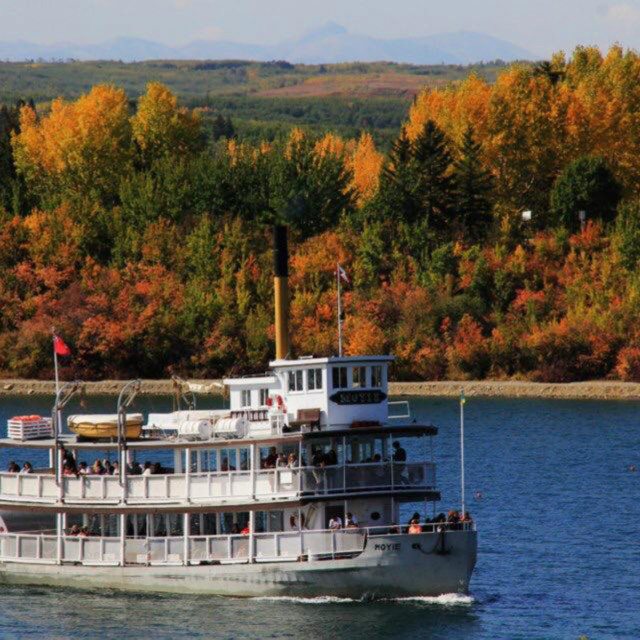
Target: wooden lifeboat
104, 426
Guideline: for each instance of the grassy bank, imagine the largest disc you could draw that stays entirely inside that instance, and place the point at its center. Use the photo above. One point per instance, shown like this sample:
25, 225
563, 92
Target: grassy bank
594, 390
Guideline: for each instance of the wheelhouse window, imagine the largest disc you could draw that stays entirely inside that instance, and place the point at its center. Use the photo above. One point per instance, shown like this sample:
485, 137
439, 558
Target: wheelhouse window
296, 382
264, 396
359, 376
314, 379
339, 377
245, 398
376, 376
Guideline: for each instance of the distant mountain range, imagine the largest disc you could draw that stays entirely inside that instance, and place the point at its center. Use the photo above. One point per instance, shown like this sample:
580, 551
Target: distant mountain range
329, 44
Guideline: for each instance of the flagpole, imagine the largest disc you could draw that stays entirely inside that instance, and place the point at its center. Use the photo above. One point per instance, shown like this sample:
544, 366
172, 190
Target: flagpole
339, 312
462, 402
55, 364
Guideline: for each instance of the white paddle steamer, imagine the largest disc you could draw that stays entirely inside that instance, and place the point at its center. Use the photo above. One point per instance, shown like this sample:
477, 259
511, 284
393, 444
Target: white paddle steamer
300, 488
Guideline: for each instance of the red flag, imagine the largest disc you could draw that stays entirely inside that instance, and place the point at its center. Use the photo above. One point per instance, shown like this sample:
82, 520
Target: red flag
60, 347
342, 274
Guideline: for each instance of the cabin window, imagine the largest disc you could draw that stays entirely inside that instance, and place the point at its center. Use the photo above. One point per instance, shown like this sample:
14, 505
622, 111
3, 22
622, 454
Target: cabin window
245, 398
314, 379
264, 395
296, 381
359, 376
376, 376
339, 377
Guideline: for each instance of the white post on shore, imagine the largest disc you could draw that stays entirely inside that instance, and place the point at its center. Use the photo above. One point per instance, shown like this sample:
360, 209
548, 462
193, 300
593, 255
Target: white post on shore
462, 403
339, 311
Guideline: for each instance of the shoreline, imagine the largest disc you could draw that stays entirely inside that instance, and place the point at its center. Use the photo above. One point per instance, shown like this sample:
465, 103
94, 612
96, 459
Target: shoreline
591, 390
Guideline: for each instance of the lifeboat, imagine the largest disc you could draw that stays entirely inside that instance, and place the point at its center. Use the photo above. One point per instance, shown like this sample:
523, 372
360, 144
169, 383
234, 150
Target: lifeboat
103, 426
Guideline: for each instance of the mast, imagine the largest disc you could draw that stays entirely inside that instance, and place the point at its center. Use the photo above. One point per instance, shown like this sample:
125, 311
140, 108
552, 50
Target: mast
339, 311
462, 403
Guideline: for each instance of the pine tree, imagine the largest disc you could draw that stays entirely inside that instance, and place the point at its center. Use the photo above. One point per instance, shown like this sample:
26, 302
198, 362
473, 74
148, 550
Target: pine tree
473, 185
434, 185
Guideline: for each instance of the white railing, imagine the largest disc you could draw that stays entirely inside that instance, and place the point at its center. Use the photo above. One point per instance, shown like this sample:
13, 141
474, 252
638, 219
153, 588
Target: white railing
287, 546
218, 485
261, 547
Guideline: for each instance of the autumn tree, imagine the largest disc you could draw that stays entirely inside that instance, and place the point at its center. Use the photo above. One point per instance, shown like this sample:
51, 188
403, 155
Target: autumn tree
79, 149
160, 128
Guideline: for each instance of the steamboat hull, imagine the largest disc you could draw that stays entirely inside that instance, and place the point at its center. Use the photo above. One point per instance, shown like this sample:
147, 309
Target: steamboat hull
390, 566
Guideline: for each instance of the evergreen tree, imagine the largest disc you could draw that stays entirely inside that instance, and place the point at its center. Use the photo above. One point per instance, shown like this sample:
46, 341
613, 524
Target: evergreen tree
473, 186
434, 184
222, 128
308, 190
588, 185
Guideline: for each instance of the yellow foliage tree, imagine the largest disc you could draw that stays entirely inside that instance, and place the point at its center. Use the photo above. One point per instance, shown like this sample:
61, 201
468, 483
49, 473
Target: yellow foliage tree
79, 148
365, 163
160, 128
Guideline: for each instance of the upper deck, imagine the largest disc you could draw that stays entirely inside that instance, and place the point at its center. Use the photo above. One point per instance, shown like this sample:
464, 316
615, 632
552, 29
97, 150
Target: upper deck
233, 472
334, 392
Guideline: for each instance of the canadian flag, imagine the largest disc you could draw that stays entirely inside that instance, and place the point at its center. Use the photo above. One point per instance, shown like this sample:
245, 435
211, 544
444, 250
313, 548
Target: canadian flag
343, 274
60, 347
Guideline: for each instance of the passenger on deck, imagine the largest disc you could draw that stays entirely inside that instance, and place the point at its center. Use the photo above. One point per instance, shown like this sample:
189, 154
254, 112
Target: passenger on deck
13, 467
466, 520
27, 468
68, 470
74, 531
399, 454
156, 469
245, 530
350, 522
147, 469
292, 463
225, 466
414, 526
281, 462
84, 532
335, 523
331, 458
108, 468
83, 469
393, 529
235, 529
317, 458
69, 458
453, 520
415, 517
134, 469
97, 469
271, 459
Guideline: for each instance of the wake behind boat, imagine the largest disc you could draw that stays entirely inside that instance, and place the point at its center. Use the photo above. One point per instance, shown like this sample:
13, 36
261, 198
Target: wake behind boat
300, 488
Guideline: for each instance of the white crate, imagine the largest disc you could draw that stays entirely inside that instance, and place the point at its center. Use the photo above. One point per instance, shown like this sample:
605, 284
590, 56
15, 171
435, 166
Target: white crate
28, 428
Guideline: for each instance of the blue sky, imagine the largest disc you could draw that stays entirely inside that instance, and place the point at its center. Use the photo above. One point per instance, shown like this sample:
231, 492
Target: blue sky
542, 26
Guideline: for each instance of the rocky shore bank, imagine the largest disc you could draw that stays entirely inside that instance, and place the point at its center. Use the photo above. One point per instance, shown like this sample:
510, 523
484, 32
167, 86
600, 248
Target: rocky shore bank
600, 390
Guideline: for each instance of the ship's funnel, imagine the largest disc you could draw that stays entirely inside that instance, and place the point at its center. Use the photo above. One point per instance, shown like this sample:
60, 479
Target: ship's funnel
281, 287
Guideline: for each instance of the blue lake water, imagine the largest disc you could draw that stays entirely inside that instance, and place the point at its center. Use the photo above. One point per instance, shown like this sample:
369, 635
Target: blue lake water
558, 511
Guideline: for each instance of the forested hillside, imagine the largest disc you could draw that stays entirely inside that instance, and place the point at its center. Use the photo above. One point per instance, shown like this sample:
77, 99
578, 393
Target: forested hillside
146, 244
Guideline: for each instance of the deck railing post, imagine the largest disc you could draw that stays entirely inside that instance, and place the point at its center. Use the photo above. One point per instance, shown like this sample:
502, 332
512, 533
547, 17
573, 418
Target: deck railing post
187, 474
123, 537
59, 533
252, 523
252, 467
185, 531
